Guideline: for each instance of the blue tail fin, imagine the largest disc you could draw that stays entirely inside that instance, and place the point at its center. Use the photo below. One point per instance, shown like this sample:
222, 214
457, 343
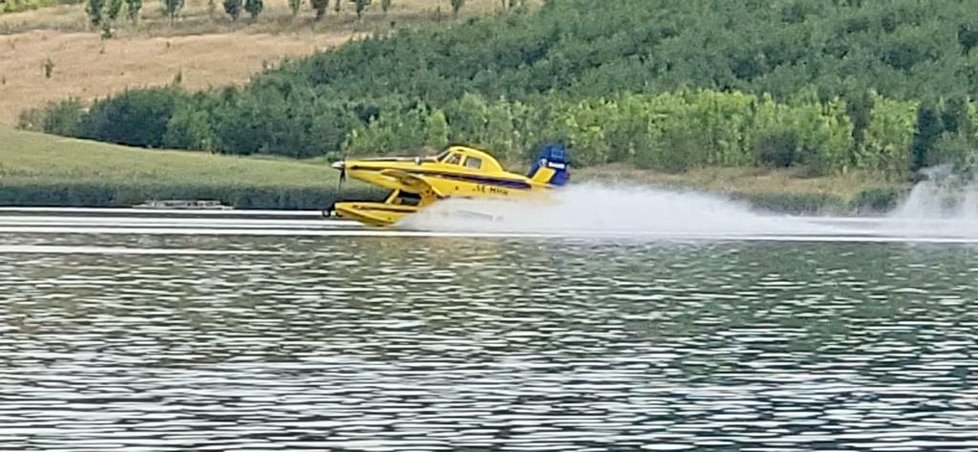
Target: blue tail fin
551, 166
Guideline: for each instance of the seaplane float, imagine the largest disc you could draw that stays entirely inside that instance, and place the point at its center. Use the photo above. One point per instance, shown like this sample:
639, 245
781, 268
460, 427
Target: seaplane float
458, 171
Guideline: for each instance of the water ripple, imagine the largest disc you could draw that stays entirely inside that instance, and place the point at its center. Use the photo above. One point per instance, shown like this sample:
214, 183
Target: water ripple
446, 344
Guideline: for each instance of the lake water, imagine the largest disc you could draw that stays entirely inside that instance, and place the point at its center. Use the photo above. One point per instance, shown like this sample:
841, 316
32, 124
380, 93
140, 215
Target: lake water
219, 334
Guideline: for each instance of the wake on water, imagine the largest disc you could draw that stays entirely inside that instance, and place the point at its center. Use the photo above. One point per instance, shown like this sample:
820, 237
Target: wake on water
934, 209
592, 209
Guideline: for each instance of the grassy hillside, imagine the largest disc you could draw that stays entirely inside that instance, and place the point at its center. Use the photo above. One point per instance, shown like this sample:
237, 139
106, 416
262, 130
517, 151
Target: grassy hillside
828, 87
202, 49
37, 169
34, 156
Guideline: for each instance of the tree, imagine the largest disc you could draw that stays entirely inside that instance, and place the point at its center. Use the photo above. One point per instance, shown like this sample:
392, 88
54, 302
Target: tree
113, 8
385, 5
955, 115
254, 7
132, 9
48, 67
172, 8
929, 129
295, 5
859, 108
320, 7
94, 10
361, 6
232, 8
457, 6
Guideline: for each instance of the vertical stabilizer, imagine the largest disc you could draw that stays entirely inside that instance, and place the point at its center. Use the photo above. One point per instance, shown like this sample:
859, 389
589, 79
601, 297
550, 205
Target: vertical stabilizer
551, 165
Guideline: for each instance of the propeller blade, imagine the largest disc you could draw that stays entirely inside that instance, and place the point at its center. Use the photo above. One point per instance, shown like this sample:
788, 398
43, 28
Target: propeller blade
342, 178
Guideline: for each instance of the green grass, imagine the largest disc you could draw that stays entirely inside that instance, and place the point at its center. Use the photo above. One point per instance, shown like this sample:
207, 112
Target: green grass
13, 6
28, 155
38, 169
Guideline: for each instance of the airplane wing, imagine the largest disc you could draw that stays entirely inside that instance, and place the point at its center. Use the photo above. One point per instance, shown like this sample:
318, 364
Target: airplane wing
413, 183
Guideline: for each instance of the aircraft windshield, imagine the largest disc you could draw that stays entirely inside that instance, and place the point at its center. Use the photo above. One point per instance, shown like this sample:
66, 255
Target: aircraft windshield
454, 159
440, 157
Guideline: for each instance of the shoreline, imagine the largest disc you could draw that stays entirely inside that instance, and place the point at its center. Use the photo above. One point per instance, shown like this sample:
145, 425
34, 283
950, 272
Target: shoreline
96, 194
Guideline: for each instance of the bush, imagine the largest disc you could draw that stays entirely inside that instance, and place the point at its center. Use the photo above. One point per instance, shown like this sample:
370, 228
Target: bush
876, 200
797, 203
135, 118
778, 148
63, 118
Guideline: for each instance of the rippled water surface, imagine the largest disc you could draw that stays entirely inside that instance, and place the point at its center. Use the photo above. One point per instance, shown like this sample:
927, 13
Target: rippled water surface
414, 343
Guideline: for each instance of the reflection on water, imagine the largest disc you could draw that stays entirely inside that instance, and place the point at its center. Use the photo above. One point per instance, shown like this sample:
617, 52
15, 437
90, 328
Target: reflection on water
438, 344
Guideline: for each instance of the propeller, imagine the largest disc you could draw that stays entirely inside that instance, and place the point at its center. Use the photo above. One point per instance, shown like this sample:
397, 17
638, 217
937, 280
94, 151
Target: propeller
340, 165
342, 178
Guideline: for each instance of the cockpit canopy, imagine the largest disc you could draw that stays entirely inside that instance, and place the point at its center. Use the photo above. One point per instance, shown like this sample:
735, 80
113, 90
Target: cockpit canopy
468, 158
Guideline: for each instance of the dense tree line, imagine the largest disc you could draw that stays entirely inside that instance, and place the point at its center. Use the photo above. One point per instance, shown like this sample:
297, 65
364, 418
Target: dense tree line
830, 85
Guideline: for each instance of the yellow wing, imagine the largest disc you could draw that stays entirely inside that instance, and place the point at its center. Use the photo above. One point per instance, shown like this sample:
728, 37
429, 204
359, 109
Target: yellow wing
413, 183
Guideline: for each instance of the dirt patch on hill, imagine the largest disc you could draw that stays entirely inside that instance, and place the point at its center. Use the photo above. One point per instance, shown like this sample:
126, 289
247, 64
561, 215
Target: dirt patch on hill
87, 67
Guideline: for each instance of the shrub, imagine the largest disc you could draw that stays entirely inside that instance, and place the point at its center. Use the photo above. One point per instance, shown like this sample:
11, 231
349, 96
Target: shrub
62, 118
135, 118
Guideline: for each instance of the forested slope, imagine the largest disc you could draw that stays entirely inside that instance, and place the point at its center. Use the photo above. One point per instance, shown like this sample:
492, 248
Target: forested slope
829, 85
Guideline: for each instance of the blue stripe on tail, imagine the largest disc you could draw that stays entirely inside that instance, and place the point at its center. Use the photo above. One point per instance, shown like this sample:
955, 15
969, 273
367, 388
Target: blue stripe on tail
553, 155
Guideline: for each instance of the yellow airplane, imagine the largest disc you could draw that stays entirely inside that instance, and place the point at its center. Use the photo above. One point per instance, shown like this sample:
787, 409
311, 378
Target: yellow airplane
456, 172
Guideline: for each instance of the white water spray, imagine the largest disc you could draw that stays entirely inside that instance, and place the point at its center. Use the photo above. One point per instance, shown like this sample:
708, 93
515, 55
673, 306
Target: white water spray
945, 204
591, 209
944, 195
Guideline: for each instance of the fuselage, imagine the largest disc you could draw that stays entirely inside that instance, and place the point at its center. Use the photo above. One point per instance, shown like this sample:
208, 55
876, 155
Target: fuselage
456, 172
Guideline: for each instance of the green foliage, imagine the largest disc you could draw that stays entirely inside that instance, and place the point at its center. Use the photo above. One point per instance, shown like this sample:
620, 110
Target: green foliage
132, 9
796, 203
929, 128
31, 119
94, 9
189, 129
437, 126
62, 118
43, 192
13, 6
457, 6
361, 6
320, 7
48, 68
233, 8
113, 8
579, 47
136, 118
887, 137
876, 200
385, 5
57, 118
671, 132
172, 8
254, 7
829, 87
295, 6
